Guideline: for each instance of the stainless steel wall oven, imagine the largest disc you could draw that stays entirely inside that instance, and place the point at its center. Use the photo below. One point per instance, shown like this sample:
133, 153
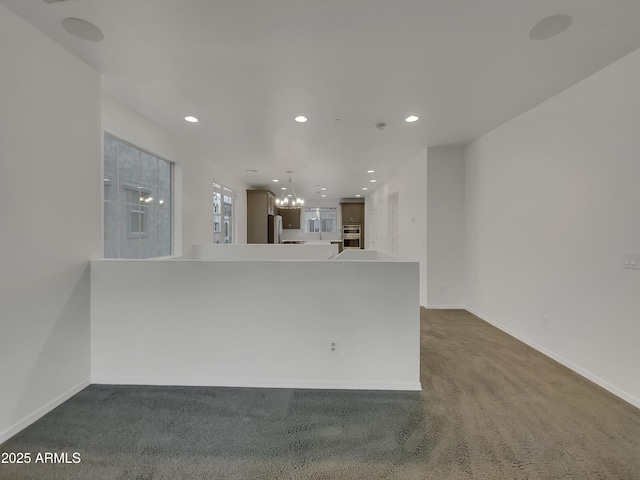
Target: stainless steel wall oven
351, 237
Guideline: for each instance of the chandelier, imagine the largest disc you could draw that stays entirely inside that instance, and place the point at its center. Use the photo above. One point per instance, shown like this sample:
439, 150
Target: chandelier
289, 200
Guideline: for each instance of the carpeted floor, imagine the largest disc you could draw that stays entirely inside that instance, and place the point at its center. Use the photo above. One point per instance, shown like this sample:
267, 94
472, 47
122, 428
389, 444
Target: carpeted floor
491, 408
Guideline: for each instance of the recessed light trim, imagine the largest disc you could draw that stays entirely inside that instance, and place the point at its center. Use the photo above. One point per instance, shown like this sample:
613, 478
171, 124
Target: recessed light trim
323, 195
550, 27
301, 119
373, 181
275, 180
191, 119
371, 171
358, 195
365, 188
323, 188
411, 119
82, 29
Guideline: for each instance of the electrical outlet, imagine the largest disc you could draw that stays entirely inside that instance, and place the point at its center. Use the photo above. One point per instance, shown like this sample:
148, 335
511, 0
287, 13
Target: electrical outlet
631, 260
333, 347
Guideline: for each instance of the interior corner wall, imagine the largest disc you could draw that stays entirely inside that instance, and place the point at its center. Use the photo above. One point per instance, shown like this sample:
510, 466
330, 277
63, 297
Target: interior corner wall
410, 183
445, 227
194, 177
552, 203
50, 212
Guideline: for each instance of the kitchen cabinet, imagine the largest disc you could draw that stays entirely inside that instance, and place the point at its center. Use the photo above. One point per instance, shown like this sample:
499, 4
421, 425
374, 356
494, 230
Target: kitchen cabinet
352, 213
290, 217
260, 211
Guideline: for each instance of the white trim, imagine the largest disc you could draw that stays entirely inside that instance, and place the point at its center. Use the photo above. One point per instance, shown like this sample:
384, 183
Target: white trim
42, 411
563, 361
257, 383
447, 307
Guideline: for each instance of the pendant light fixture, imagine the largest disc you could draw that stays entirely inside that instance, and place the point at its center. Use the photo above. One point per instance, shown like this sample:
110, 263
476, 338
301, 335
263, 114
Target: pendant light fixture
289, 199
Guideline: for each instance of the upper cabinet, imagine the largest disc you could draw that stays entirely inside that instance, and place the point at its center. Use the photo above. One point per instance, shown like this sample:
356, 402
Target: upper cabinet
352, 213
290, 217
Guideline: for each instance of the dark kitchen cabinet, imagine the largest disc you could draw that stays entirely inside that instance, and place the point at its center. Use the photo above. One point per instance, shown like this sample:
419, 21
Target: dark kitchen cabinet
352, 213
290, 217
260, 211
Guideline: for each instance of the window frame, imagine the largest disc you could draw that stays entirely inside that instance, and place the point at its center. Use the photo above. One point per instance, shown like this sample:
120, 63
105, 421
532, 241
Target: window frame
320, 221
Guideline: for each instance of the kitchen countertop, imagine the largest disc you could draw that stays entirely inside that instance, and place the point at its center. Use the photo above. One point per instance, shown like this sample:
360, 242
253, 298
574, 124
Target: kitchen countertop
312, 242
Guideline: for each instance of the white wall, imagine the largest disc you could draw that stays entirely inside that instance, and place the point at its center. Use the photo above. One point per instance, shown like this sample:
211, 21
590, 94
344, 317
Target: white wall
552, 201
410, 182
195, 173
50, 213
256, 323
445, 227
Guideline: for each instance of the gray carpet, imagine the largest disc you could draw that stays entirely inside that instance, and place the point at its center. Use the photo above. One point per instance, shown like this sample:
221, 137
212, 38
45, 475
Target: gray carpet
491, 408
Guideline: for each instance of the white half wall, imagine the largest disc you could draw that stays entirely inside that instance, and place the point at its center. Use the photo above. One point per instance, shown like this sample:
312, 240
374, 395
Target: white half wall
256, 323
257, 251
445, 227
553, 201
410, 185
50, 212
195, 173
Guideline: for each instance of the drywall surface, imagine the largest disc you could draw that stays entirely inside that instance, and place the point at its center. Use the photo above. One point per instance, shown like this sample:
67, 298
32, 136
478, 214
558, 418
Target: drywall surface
256, 324
409, 186
221, 252
552, 202
194, 174
368, 255
50, 212
445, 227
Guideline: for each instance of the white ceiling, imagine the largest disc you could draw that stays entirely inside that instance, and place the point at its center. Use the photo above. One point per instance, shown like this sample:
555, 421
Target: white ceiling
246, 68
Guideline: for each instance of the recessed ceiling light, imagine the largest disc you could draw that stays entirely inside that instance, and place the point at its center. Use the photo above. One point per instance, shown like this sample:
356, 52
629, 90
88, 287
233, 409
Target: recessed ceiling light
371, 171
358, 195
283, 188
323, 188
323, 195
191, 119
411, 119
300, 119
550, 27
83, 29
373, 181
275, 180
365, 188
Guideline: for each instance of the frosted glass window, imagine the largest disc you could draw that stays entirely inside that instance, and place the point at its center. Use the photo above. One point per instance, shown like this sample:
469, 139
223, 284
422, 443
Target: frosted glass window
138, 206
320, 219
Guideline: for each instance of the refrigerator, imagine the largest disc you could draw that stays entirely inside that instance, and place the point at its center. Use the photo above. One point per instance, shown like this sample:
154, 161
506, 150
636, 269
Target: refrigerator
275, 229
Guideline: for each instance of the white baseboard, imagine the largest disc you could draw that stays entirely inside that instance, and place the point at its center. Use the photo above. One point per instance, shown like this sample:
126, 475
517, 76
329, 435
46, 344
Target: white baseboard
258, 383
42, 411
447, 307
563, 361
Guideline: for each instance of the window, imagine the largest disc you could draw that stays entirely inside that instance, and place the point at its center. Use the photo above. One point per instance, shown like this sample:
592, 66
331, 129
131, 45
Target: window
138, 208
320, 219
223, 205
